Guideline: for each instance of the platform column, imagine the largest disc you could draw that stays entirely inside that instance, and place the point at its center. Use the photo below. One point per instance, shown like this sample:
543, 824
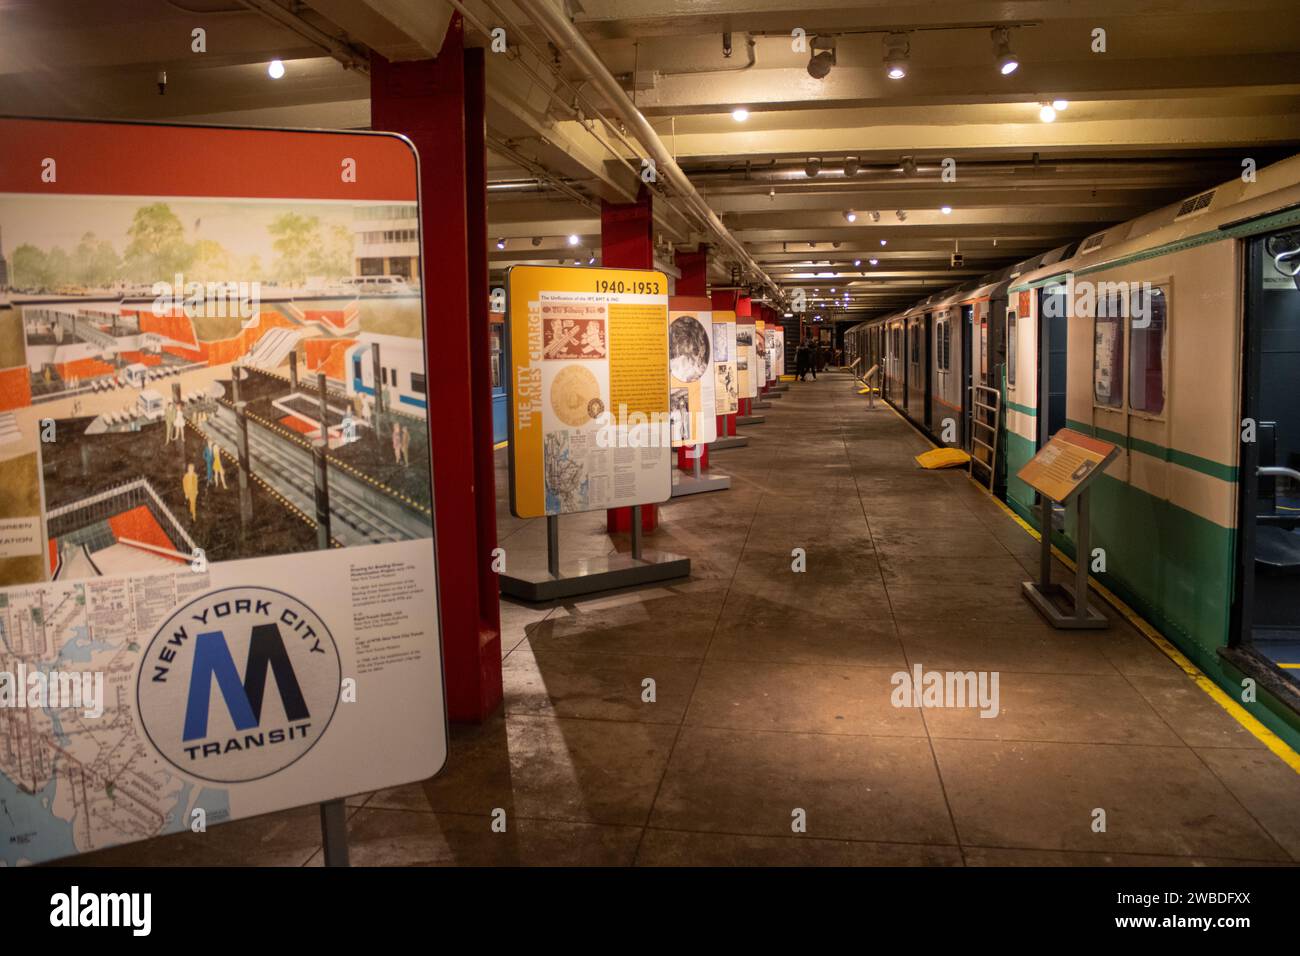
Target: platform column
293, 369
627, 242
438, 105
320, 468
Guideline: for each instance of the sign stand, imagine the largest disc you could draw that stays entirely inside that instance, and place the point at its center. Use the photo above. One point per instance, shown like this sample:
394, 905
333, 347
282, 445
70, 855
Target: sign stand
728, 441
1062, 471
1042, 593
590, 575
698, 481
334, 832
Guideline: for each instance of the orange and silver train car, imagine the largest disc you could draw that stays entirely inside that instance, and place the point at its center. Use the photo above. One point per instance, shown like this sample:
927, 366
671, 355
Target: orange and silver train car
1175, 336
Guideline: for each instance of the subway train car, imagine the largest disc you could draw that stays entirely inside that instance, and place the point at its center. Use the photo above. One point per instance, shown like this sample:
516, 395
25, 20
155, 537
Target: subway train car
1134, 337
401, 371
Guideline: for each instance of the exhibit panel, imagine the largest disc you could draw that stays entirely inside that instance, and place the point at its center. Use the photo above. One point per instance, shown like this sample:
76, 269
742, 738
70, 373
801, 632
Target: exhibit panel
748, 356
725, 363
216, 470
692, 370
590, 417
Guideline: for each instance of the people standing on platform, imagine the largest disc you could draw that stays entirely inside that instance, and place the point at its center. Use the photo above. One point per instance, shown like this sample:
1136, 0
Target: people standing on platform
190, 485
218, 469
397, 443
406, 446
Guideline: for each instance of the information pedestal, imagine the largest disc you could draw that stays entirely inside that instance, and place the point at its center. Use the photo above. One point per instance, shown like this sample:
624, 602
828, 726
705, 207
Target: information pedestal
590, 575
697, 481
1062, 471
729, 441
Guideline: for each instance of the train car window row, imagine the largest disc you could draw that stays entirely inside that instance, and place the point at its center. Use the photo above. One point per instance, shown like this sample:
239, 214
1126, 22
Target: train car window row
1146, 352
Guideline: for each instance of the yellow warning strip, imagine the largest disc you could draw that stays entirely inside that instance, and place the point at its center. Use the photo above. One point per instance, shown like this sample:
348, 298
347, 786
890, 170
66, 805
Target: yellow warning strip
1289, 667
501, 444
1244, 717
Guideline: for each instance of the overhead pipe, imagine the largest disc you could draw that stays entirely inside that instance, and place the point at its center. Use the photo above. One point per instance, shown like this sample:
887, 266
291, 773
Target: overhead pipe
567, 38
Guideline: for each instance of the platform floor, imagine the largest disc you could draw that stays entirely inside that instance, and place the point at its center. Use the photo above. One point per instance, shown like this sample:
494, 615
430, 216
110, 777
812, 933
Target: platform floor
773, 693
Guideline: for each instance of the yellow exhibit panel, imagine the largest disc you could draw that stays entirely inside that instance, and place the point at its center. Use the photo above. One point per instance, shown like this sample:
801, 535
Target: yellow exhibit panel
589, 390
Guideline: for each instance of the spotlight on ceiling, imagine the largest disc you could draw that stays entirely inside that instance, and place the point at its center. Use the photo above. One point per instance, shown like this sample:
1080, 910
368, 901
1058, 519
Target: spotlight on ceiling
850, 216
537, 241
875, 216
823, 57
850, 167
591, 261
275, 69
1060, 105
1007, 61
909, 166
740, 114
897, 50
874, 261
946, 210
812, 168
501, 243
884, 242
1047, 113
573, 239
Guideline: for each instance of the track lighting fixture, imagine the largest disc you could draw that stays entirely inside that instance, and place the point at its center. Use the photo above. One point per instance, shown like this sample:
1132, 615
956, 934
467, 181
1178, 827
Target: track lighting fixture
537, 241
897, 50
1007, 61
850, 167
501, 243
875, 215
812, 167
823, 57
874, 261
573, 239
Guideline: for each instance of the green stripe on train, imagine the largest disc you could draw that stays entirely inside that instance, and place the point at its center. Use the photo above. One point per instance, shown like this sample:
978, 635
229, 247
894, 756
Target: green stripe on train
1206, 466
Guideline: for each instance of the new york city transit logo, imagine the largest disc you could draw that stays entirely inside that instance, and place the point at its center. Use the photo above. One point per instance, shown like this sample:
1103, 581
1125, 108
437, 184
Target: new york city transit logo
211, 722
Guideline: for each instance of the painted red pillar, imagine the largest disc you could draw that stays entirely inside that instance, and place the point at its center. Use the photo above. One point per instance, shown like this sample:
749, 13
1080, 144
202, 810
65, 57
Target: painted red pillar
627, 242
439, 105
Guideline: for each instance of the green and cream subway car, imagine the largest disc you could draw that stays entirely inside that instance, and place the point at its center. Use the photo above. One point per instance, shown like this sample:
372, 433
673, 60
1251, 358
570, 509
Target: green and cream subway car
1176, 336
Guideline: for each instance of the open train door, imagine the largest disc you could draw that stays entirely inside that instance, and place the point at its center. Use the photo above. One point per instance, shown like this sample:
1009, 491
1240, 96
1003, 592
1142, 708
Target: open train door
1266, 626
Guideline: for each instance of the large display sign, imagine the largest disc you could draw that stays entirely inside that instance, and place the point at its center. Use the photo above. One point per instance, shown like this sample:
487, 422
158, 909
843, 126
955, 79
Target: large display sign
727, 381
1067, 463
217, 580
590, 413
691, 366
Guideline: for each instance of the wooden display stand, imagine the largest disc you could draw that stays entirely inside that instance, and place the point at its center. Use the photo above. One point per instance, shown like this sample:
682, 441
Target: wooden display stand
1063, 471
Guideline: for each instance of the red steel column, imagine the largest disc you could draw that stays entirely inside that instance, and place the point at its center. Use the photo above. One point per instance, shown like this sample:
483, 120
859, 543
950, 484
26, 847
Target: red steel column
438, 104
627, 242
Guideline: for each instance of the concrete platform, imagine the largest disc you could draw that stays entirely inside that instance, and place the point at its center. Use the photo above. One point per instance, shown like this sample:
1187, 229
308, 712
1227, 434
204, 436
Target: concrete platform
773, 691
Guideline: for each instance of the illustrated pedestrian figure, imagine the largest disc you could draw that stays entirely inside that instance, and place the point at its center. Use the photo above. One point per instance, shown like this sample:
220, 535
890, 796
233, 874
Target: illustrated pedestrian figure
171, 421
406, 446
218, 469
208, 452
397, 443
180, 425
190, 485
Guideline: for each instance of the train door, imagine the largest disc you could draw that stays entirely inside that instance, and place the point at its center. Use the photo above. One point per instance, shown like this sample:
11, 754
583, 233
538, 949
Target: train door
967, 362
1052, 333
1267, 626
926, 328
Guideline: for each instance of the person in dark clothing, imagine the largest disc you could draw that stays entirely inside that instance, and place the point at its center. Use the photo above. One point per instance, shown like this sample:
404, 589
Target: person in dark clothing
801, 360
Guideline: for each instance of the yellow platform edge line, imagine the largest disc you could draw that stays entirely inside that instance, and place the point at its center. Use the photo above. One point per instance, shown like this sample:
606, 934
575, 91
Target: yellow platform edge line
501, 444
1242, 716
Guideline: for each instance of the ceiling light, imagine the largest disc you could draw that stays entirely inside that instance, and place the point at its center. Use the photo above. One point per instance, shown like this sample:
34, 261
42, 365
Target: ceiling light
275, 69
850, 215
884, 242
857, 262
1007, 61
946, 210
591, 261
573, 239
874, 261
577, 262
823, 58
501, 243
897, 49
740, 114
1060, 105
1047, 114
812, 167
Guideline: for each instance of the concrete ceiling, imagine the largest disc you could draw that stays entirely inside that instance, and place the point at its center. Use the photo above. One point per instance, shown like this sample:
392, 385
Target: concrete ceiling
1183, 93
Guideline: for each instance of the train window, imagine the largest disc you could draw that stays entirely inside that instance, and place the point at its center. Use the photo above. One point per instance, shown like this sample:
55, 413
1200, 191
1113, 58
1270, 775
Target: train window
945, 346
1013, 348
417, 382
915, 335
1146, 344
1108, 352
